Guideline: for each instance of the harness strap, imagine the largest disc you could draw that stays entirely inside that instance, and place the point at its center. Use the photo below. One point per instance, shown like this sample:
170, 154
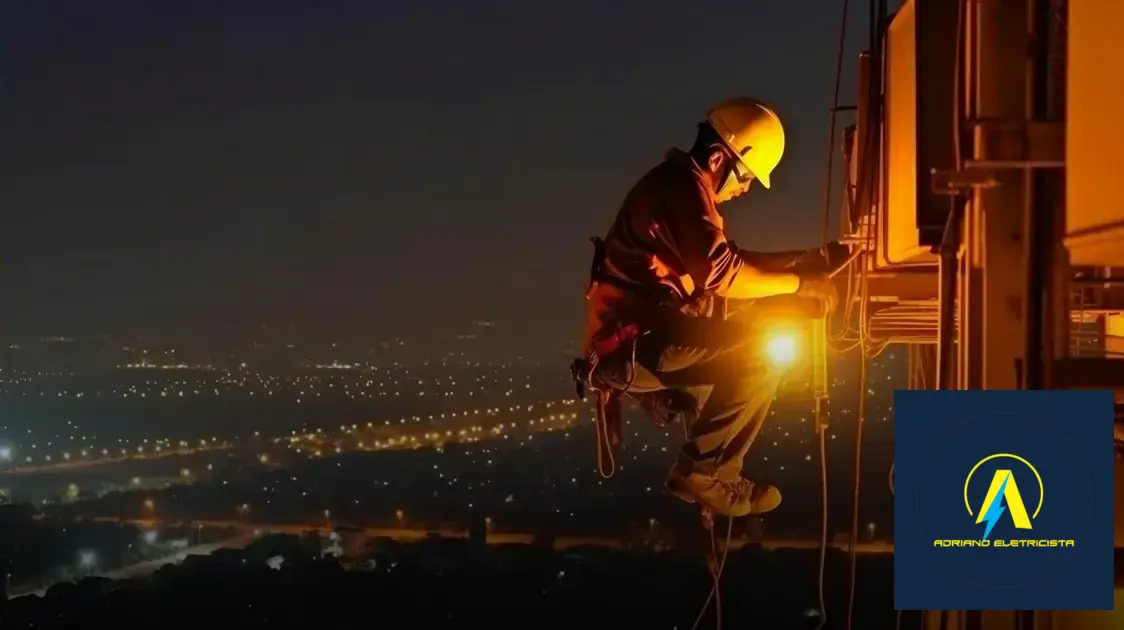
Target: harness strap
603, 346
608, 403
607, 411
599, 275
597, 266
609, 430
604, 343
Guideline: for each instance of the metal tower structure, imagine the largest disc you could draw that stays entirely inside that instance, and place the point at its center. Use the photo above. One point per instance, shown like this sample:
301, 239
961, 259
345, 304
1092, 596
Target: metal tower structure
986, 211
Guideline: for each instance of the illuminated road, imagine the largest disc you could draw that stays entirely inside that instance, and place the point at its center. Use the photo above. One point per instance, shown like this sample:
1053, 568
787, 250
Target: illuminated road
497, 538
78, 464
435, 431
147, 568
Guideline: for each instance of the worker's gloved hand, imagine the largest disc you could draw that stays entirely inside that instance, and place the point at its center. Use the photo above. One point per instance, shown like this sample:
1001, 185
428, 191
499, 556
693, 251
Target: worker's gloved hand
818, 286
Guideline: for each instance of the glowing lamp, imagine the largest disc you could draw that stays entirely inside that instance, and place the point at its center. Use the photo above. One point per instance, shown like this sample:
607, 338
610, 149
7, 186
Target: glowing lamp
780, 349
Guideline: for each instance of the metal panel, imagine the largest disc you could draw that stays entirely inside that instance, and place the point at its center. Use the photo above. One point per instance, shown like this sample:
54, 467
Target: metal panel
919, 70
1094, 133
1118, 523
898, 221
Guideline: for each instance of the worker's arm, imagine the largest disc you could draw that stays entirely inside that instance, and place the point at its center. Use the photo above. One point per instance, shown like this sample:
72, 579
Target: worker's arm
801, 262
772, 261
713, 263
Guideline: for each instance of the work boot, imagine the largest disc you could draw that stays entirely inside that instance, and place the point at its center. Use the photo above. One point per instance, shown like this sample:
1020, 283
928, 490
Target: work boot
738, 497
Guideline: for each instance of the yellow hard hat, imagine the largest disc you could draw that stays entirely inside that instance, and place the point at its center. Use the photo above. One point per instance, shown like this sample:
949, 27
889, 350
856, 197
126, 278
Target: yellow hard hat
753, 131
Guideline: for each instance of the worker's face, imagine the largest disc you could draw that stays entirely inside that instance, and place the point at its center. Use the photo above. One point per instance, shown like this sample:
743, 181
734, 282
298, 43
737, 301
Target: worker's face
729, 177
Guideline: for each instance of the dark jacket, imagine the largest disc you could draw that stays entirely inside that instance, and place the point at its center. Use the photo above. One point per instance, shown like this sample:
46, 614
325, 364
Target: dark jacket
669, 239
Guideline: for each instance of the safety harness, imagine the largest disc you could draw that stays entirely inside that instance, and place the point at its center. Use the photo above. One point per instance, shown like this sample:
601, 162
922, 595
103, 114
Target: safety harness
608, 403
663, 406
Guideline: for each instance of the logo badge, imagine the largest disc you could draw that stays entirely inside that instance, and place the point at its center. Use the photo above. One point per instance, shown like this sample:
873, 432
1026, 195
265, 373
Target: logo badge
1003, 500
1003, 489
1003, 497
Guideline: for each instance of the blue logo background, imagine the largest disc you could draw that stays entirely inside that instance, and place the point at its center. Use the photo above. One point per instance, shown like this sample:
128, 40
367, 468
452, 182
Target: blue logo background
939, 436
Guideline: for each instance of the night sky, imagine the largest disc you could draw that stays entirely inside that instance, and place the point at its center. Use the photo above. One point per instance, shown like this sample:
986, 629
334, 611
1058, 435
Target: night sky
370, 168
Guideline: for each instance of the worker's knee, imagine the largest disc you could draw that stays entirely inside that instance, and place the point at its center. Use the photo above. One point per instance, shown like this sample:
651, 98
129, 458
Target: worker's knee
673, 358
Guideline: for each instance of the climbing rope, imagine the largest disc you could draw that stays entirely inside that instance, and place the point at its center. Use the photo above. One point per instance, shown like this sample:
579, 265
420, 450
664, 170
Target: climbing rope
606, 460
715, 564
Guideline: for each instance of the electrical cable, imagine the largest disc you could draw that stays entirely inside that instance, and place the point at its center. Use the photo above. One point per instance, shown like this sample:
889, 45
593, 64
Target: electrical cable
831, 127
957, 69
856, 488
846, 264
823, 527
856, 481
825, 223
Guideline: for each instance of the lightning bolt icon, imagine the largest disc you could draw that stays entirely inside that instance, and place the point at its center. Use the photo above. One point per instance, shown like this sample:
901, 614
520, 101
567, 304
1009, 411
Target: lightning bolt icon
994, 509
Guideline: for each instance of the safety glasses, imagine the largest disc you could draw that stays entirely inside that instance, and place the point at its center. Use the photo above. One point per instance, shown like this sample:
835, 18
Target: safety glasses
737, 167
738, 171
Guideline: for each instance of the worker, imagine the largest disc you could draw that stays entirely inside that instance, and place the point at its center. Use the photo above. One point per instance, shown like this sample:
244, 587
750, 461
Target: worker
657, 303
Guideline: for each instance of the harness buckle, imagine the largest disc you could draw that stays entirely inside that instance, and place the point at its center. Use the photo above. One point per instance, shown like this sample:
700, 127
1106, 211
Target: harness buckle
581, 371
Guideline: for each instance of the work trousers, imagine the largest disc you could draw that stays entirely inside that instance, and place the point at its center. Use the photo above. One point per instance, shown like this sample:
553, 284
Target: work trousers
720, 366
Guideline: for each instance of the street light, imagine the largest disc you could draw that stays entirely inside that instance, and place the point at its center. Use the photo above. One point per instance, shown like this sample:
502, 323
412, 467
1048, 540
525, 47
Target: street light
87, 559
